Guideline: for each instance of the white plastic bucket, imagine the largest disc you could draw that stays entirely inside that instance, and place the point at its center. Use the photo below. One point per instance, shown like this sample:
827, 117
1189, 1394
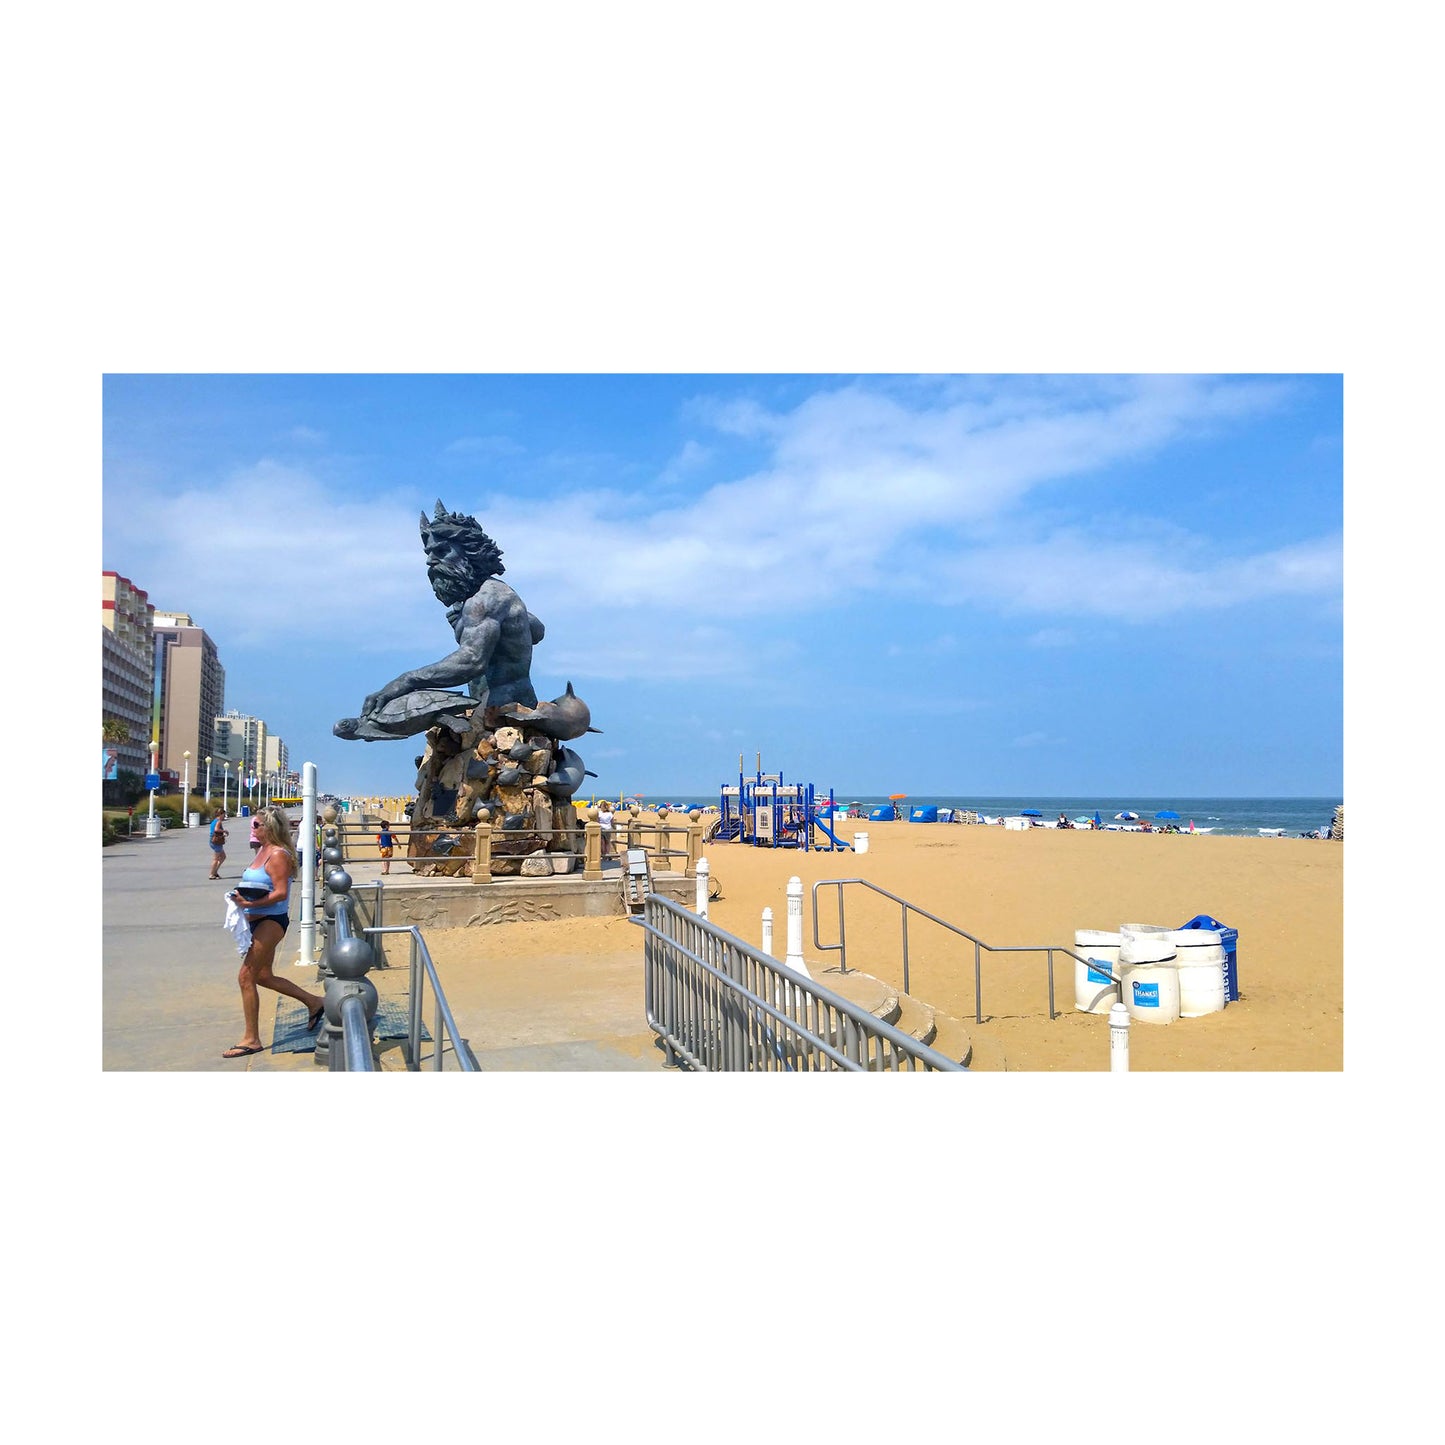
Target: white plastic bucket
1203, 980
1149, 973
860, 842
195, 820
1094, 991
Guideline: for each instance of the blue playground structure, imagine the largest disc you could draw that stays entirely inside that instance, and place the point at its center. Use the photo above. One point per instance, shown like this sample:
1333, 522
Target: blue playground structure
768, 813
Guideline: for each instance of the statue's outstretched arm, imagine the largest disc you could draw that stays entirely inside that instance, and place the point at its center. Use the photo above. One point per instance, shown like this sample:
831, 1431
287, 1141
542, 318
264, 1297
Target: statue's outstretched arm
478, 642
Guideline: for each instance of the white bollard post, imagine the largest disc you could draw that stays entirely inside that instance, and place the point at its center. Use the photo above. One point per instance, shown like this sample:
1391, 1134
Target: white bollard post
1118, 1039
702, 887
794, 959
306, 847
768, 931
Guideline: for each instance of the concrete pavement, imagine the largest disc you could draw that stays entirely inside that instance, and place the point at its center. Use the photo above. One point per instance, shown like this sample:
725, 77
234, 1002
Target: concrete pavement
170, 1000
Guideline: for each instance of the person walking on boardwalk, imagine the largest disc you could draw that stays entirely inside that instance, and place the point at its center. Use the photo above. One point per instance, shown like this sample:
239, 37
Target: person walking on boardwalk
385, 842
263, 895
218, 842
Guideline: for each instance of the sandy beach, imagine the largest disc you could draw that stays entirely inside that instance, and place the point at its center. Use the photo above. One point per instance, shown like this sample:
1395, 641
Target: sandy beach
1284, 896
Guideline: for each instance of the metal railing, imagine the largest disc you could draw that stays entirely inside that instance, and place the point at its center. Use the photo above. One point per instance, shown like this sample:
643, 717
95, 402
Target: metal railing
344, 1042
720, 1005
979, 946
444, 1026
353, 948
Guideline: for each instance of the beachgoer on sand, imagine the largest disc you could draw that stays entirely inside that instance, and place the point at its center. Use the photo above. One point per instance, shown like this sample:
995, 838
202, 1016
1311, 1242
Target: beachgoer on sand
263, 895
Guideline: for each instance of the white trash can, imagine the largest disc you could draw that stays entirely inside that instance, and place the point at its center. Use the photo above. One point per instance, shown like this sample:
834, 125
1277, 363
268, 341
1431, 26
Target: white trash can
1149, 973
860, 842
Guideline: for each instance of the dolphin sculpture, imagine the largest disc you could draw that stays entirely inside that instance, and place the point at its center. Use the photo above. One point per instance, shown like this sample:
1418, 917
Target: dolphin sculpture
567, 776
562, 719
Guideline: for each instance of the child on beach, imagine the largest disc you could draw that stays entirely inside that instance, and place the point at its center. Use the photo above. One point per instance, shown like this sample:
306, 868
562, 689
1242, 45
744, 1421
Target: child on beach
384, 844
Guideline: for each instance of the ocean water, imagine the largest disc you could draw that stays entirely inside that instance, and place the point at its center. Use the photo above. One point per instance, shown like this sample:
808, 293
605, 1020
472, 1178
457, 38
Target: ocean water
1237, 817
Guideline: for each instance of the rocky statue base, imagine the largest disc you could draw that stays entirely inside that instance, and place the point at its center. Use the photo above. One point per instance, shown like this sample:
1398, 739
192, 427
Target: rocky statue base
504, 770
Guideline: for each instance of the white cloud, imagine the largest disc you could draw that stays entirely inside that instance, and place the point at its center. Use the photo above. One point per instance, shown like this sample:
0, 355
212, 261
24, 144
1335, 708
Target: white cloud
908, 485
277, 546
687, 461
1053, 637
484, 446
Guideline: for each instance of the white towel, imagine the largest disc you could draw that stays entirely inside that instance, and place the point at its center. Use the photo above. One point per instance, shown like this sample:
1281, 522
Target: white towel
238, 925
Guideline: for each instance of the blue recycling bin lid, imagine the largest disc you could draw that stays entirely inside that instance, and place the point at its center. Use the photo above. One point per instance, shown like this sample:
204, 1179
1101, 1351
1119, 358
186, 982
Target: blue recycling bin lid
1226, 934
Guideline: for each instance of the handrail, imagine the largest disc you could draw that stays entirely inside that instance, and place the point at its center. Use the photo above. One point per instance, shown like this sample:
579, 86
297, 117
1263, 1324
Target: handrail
444, 1025
718, 1003
979, 946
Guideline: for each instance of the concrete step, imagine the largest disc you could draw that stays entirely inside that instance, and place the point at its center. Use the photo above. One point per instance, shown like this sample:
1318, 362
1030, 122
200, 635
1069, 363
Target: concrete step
949, 1036
916, 1018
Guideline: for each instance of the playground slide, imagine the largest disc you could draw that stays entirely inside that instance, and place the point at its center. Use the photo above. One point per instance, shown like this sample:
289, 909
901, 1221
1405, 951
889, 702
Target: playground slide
828, 833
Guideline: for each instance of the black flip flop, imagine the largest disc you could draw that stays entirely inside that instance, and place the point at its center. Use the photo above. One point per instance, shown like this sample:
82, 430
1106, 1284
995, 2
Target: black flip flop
313, 1019
241, 1051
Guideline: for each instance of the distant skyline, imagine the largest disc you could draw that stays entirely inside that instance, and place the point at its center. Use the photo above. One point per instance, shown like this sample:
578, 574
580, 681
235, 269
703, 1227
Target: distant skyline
987, 585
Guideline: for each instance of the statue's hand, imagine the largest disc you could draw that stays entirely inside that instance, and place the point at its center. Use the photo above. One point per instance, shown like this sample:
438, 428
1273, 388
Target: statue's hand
380, 698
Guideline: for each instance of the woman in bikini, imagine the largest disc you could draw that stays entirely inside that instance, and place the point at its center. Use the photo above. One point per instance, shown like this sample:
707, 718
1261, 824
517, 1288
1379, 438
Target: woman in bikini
263, 894
218, 843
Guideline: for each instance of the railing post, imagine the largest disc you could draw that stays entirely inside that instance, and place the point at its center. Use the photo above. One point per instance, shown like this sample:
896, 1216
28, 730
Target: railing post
482, 858
702, 872
1118, 1038
592, 849
795, 923
768, 931
349, 957
694, 840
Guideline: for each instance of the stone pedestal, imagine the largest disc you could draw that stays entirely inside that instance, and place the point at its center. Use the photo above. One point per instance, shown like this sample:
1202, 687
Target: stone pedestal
495, 802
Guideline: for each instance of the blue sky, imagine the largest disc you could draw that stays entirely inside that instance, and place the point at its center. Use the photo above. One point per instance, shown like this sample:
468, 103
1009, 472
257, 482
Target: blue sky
926, 584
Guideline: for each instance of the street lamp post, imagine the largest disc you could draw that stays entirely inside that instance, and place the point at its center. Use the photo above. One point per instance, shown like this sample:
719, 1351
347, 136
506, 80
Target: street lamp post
225, 785
208, 783
186, 789
153, 828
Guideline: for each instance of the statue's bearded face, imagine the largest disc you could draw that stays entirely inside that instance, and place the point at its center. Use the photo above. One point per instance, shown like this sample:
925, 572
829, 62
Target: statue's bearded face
451, 574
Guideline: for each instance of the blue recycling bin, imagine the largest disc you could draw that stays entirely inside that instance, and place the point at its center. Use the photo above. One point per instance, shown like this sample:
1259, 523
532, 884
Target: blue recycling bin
245, 811
1229, 941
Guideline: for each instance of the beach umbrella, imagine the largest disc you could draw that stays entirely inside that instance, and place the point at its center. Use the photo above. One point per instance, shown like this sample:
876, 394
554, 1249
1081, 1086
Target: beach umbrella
896, 797
1098, 821
1167, 813
1126, 817
1031, 813
1084, 819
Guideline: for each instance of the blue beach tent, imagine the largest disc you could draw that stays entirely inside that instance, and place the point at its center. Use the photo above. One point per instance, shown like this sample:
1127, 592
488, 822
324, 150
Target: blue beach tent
927, 814
882, 815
